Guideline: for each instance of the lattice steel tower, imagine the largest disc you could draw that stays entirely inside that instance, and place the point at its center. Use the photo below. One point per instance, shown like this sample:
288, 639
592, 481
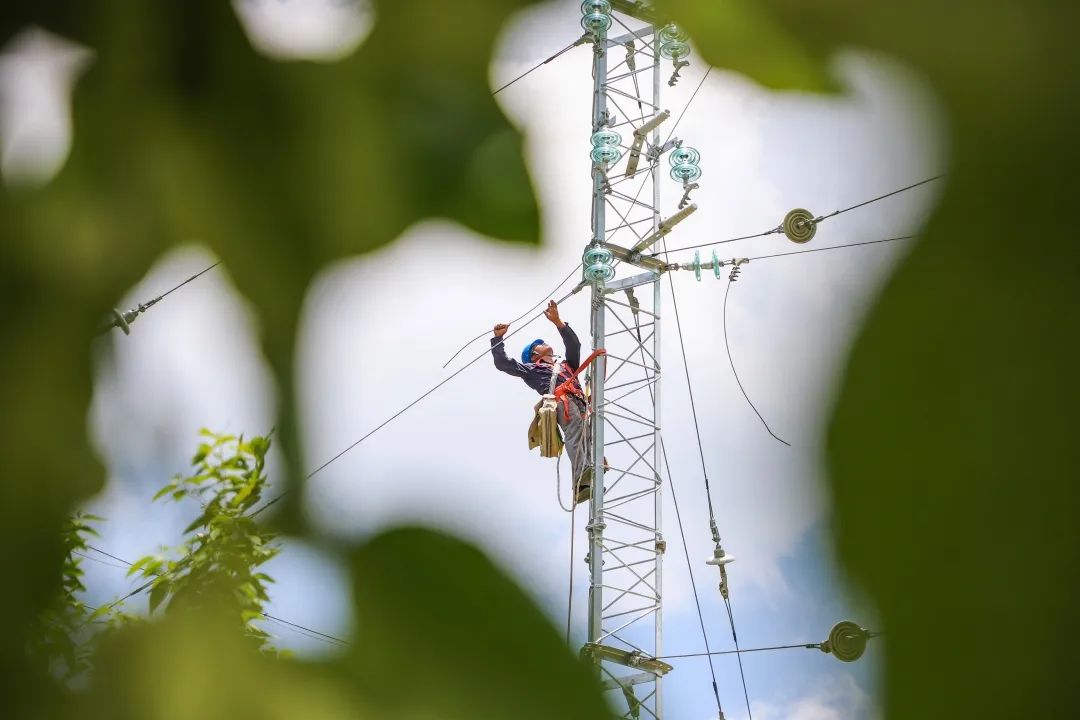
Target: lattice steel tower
625, 528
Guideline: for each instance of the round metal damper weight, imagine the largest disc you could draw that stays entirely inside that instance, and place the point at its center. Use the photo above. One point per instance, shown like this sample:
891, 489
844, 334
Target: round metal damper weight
847, 641
799, 226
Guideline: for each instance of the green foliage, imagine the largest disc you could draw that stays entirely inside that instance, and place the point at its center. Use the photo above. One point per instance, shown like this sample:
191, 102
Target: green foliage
218, 564
745, 36
66, 633
951, 443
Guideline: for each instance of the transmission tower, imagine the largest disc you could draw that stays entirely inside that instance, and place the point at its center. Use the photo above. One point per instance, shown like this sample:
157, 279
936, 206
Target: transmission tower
625, 528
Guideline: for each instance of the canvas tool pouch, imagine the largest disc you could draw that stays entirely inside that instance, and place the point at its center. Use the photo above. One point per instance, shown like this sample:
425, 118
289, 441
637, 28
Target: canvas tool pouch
544, 430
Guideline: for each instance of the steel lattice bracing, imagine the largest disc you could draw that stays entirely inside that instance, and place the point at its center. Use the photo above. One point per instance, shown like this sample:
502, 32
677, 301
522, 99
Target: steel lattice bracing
626, 543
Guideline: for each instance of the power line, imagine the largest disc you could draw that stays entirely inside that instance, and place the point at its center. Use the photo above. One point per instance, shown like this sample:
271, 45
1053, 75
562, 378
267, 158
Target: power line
720, 242
124, 320
727, 346
832, 247
554, 290
308, 632
693, 582
816, 220
94, 559
581, 40
177, 287
879, 197
403, 410
808, 646
704, 471
735, 639
314, 634
386, 422
727, 290
110, 555
687, 106
693, 405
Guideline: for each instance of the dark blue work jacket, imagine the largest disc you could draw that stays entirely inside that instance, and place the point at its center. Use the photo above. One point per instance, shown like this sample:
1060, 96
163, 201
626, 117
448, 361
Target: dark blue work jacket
537, 375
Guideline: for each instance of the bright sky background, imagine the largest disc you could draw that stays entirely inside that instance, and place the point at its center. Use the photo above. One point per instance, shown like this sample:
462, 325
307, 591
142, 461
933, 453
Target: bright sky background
377, 329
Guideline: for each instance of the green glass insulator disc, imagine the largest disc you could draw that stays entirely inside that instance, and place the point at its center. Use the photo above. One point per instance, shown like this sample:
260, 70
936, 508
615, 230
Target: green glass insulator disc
605, 154
673, 32
606, 137
597, 256
596, 22
599, 273
685, 172
601, 7
674, 50
684, 155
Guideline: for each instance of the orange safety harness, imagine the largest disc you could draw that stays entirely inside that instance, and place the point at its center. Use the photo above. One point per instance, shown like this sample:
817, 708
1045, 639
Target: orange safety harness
569, 385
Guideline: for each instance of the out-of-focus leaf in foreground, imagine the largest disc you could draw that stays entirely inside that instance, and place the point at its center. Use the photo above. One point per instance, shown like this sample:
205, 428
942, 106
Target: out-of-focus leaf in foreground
952, 447
442, 634
747, 37
183, 132
953, 443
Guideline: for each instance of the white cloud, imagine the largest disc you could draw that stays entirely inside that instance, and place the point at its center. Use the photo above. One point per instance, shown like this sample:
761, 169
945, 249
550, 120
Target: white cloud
306, 29
838, 697
376, 330
37, 72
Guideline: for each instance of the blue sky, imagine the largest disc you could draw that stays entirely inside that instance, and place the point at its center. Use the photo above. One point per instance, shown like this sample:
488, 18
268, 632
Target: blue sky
790, 323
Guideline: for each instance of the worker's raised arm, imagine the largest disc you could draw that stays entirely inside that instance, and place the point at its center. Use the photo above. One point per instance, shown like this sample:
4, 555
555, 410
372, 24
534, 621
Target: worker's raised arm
571, 344
502, 360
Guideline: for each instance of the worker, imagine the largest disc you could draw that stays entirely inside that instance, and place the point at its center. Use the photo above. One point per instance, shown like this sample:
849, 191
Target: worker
536, 368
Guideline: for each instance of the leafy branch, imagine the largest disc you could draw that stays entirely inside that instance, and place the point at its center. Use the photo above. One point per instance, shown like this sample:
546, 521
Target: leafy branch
217, 565
67, 630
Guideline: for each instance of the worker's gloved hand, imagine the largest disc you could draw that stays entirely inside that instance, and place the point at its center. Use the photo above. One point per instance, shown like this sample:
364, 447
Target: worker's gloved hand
552, 314
501, 329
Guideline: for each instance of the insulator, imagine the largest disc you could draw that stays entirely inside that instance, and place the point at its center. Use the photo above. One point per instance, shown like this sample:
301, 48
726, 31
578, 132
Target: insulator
673, 32
684, 155
596, 254
122, 321
596, 6
605, 154
675, 50
596, 23
720, 558
716, 265
847, 641
799, 225
606, 137
697, 265
685, 172
599, 272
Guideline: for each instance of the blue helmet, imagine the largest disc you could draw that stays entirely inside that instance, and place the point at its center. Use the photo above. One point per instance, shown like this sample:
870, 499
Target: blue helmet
526, 354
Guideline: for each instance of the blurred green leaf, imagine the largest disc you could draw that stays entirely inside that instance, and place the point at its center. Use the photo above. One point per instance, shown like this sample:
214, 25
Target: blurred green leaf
158, 593
747, 37
143, 562
951, 442
183, 132
952, 439
443, 633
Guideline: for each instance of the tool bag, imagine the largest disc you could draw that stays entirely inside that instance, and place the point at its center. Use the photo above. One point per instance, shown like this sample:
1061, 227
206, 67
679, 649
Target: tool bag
544, 430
